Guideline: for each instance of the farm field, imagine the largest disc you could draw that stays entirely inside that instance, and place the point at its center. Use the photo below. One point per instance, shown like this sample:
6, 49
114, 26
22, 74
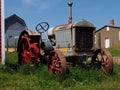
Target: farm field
15, 77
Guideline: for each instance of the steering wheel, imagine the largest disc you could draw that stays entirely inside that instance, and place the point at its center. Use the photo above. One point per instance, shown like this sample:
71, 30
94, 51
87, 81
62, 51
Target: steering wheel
42, 26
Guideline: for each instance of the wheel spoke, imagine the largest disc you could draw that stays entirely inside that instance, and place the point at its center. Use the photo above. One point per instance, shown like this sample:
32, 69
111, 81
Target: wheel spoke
58, 69
102, 55
97, 59
51, 66
105, 63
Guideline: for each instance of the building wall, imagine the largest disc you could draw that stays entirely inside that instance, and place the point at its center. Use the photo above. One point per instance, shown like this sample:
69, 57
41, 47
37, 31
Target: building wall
13, 34
13, 28
111, 33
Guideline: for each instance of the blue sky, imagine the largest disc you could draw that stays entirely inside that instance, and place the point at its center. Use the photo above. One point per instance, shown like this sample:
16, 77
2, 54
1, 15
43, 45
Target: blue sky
55, 12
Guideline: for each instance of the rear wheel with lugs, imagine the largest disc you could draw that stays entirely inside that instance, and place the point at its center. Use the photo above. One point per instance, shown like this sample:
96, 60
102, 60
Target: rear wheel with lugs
24, 50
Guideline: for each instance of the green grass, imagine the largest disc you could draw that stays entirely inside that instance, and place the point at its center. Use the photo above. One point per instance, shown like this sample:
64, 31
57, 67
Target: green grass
15, 77
114, 51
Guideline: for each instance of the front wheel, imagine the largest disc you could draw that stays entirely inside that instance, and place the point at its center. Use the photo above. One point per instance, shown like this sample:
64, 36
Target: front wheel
57, 63
104, 61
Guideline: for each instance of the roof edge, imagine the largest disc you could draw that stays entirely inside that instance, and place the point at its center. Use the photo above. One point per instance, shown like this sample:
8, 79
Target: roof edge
16, 16
107, 26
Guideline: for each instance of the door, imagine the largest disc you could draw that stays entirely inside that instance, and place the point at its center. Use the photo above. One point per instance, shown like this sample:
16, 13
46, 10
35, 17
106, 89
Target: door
107, 43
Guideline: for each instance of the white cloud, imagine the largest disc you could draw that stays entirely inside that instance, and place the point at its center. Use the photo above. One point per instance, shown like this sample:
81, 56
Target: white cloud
41, 4
27, 1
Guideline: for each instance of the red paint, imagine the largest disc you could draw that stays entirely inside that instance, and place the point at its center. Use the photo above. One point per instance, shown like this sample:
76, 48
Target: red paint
0, 33
28, 50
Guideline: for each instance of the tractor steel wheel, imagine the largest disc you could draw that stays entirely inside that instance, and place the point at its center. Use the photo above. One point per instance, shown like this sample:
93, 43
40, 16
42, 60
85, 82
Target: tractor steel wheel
104, 60
24, 53
57, 63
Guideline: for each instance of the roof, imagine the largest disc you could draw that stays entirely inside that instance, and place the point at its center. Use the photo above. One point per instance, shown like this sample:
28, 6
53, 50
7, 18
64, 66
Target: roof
14, 16
83, 23
107, 26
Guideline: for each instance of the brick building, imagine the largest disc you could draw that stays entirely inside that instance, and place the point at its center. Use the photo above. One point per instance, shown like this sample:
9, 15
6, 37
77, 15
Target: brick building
107, 37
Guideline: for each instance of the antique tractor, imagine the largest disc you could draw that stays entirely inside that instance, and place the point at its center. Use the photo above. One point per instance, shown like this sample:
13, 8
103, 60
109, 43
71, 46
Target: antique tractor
65, 45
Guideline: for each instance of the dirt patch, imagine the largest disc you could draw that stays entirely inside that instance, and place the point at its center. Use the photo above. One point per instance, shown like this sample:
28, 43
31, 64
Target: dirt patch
10, 49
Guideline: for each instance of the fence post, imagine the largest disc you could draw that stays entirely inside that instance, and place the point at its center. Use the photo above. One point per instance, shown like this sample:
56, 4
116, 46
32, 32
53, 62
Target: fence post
7, 45
15, 44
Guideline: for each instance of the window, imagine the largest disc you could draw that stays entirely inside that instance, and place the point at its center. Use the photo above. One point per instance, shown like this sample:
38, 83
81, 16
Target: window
108, 28
95, 39
119, 35
107, 42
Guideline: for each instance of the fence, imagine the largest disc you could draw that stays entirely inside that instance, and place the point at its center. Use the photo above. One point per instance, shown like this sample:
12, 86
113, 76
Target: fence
116, 60
11, 48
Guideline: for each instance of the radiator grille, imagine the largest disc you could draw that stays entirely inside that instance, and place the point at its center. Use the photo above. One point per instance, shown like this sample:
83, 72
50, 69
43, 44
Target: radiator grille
84, 38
